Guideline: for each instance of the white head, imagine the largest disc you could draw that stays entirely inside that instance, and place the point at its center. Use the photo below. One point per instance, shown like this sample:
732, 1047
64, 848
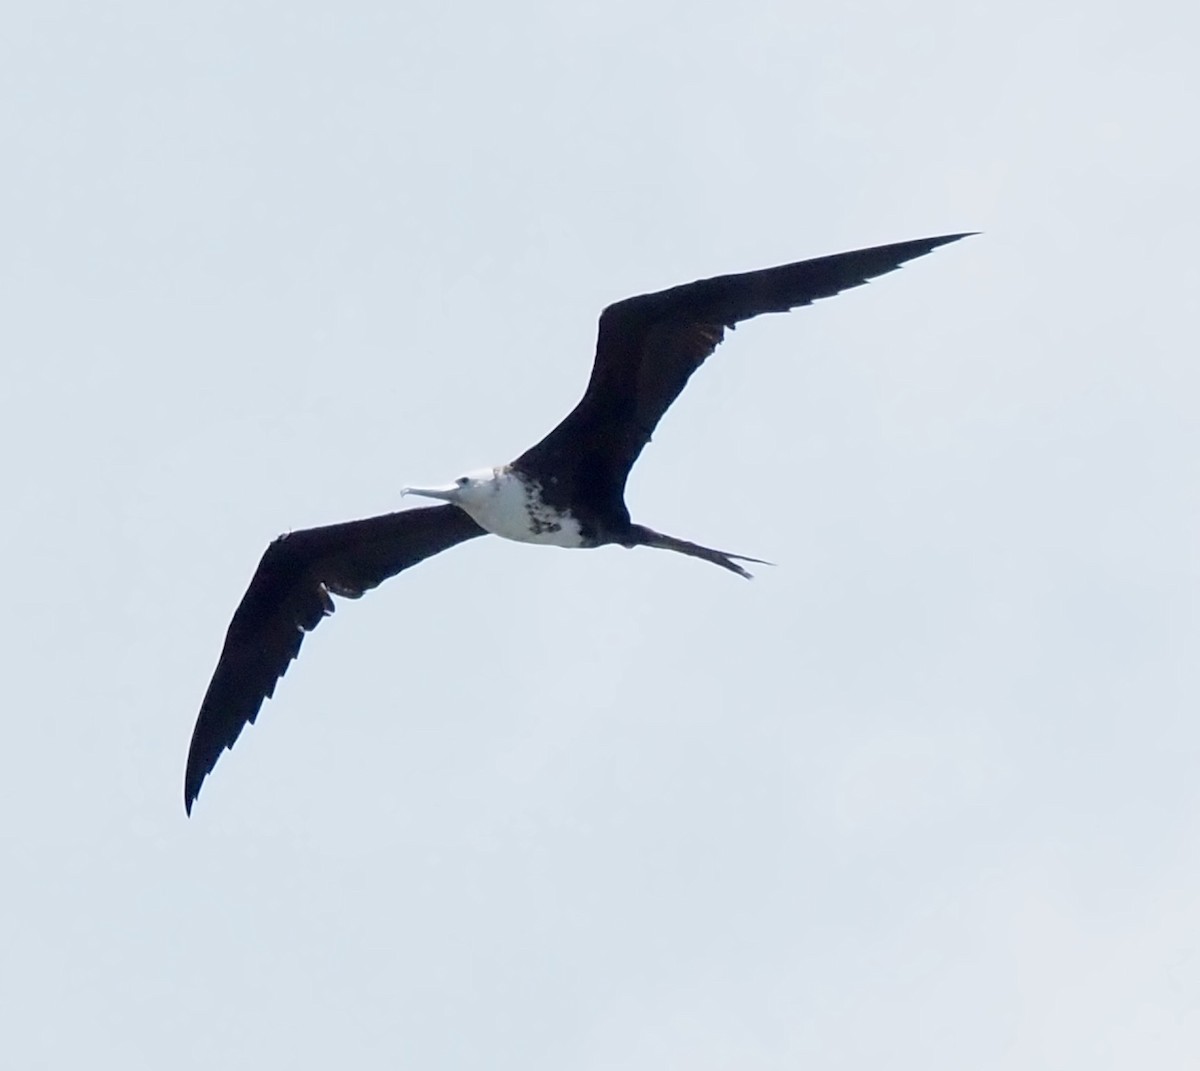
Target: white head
473, 489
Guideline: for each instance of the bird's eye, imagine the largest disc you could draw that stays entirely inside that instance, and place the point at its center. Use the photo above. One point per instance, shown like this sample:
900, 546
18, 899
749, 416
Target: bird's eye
462, 481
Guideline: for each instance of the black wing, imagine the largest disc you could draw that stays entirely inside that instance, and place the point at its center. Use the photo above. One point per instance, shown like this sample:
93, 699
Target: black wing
650, 345
288, 596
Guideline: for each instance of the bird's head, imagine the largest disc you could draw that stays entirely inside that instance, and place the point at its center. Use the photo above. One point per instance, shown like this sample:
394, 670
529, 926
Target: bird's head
467, 490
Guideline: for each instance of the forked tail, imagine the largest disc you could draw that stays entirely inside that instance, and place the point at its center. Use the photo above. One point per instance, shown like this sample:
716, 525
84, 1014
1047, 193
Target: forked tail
647, 537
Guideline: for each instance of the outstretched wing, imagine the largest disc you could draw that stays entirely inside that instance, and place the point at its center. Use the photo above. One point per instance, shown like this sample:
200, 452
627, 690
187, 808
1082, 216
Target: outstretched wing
649, 346
288, 596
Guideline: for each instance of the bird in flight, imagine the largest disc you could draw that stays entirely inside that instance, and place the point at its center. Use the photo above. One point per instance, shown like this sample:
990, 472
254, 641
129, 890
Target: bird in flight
567, 491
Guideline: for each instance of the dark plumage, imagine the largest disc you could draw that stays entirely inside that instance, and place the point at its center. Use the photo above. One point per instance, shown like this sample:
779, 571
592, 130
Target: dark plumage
288, 595
568, 489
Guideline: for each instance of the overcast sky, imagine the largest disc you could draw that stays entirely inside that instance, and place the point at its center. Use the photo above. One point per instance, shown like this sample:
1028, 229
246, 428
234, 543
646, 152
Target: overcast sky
923, 796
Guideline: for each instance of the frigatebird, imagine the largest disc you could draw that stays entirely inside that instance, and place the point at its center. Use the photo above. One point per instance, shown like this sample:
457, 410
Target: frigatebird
567, 491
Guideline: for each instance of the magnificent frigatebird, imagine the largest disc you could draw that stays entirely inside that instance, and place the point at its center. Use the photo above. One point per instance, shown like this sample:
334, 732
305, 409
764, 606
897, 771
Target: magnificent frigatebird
567, 491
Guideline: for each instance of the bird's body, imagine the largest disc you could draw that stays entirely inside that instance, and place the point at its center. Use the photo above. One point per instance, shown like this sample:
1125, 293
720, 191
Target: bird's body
507, 503
566, 491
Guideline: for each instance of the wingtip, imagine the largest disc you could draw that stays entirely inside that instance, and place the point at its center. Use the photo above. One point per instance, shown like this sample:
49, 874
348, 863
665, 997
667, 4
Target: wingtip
191, 790
923, 246
946, 239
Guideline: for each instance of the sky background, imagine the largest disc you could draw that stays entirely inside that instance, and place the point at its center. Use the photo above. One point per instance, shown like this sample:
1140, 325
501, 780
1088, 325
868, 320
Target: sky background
925, 795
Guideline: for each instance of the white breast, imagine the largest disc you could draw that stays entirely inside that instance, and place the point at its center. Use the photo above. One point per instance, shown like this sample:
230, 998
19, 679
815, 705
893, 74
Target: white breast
507, 506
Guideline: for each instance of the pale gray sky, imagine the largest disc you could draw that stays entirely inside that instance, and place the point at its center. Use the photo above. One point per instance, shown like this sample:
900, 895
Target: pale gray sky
925, 796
